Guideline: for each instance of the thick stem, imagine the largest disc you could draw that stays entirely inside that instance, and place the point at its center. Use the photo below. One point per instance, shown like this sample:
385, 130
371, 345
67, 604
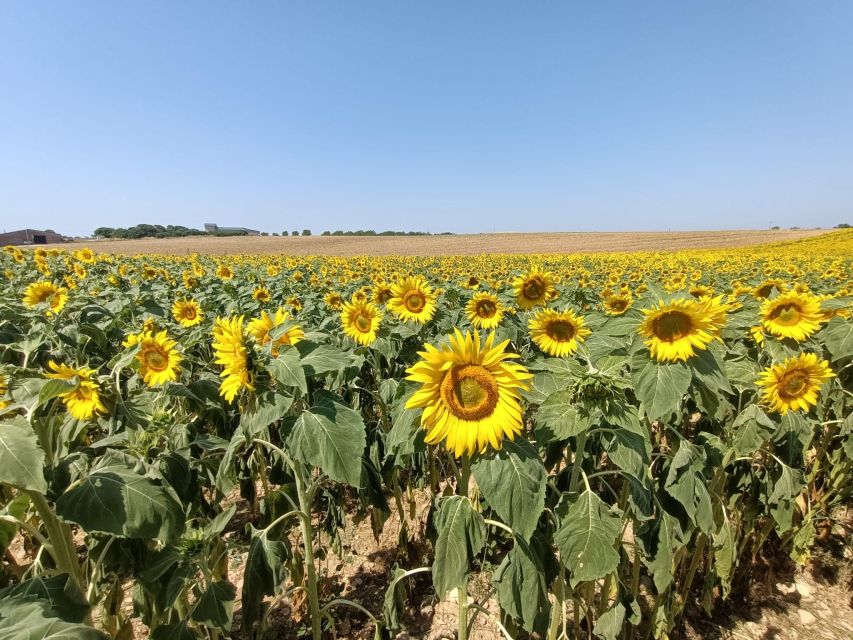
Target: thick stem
462, 596
59, 535
578, 460
308, 550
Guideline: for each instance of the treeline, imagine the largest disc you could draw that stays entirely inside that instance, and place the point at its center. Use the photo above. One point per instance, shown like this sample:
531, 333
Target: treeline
158, 231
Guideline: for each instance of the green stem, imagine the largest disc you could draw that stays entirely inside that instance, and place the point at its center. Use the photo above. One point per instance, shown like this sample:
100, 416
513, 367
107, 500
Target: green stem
59, 534
578, 460
308, 548
462, 597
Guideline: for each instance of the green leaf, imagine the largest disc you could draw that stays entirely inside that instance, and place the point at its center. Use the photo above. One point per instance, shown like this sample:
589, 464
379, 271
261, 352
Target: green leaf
788, 484
521, 588
215, 607
266, 409
175, 631
838, 338
709, 371
395, 600
55, 388
317, 359
659, 387
16, 508
64, 598
264, 571
543, 385
724, 556
660, 541
331, 436
750, 430
461, 534
33, 620
120, 501
587, 537
558, 419
21, 457
513, 483
688, 486
609, 624
287, 370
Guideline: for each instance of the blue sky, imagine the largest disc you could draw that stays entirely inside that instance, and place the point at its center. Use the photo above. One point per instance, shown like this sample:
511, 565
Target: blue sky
442, 115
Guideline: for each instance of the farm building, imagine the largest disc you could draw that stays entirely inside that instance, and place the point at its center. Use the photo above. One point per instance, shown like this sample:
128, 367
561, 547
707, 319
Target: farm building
30, 236
210, 227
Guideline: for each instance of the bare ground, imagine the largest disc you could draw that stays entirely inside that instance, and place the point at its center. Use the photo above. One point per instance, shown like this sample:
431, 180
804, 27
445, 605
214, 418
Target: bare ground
462, 245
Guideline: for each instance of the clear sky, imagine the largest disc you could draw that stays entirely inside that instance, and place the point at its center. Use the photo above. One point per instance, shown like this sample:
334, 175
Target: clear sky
433, 115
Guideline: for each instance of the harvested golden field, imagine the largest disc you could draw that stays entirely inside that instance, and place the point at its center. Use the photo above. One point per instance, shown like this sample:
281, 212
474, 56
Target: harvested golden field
457, 245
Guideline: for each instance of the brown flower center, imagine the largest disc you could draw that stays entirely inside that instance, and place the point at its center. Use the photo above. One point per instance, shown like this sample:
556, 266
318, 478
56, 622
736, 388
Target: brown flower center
414, 301
793, 384
533, 289
786, 314
156, 358
561, 330
362, 323
486, 309
672, 325
470, 391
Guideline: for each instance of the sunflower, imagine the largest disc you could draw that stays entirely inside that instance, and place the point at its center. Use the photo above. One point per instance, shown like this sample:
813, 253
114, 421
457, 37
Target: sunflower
413, 299
382, 293
224, 272
187, 313
260, 328
558, 333
484, 311
616, 304
39, 292
333, 300
766, 288
361, 320
534, 289
469, 393
262, 294
230, 351
84, 401
674, 330
791, 315
159, 360
4, 388
794, 384
85, 255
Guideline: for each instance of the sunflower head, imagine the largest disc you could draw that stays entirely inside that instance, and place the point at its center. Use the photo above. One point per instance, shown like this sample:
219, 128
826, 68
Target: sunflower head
616, 304
230, 351
187, 313
224, 272
83, 401
534, 289
45, 292
794, 384
261, 294
360, 320
413, 299
158, 357
675, 330
766, 288
484, 311
333, 300
791, 315
260, 328
4, 389
382, 293
558, 333
469, 393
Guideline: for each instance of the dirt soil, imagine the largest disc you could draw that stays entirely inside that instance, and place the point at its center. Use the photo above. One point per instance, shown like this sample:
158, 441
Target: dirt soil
461, 245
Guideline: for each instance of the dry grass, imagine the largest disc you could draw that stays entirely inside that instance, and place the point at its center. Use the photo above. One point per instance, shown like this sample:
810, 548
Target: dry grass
460, 245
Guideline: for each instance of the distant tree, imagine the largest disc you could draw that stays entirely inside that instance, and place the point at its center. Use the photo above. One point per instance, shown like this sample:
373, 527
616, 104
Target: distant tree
294, 233
104, 232
264, 233
275, 234
775, 228
284, 233
326, 233
306, 232
843, 225
337, 233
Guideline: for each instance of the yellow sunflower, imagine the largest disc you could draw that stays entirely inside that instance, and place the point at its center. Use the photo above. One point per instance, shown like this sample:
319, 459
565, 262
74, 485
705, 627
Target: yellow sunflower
794, 384
382, 293
39, 292
361, 320
534, 289
469, 393
159, 360
413, 299
261, 294
260, 328
333, 300
484, 311
616, 304
558, 333
675, 330
85, 255
230, 351
766, 288
187, 313
224, 272
791, 315
84, 401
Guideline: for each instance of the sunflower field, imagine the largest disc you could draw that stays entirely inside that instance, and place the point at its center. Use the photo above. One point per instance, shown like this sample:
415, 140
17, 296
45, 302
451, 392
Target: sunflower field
599, 443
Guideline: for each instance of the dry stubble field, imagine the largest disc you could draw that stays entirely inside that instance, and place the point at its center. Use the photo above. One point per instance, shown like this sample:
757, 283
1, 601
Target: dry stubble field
456, 245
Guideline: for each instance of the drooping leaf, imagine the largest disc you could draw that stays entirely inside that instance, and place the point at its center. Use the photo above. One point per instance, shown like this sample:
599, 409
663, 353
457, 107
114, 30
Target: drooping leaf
521, 587
21, 457
461, 534
119, 501
686, 483
266, 409
22, 619
587, 537
658, 386
513, 483
264, 572
724, 556
215, 606
59, 592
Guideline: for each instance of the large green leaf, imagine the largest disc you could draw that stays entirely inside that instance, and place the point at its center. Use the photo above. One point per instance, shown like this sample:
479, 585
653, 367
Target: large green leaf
750, 430
558, 418
22, 619
331, 436
264, 572
215, 606
724, 556
513, 483
21, 457
587, 538
659, 387
266, 409
287, 370
60, 592
317, 359
660, 540
686, 483
838, 337
119, 501
609, 624
461, 534
521, 587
